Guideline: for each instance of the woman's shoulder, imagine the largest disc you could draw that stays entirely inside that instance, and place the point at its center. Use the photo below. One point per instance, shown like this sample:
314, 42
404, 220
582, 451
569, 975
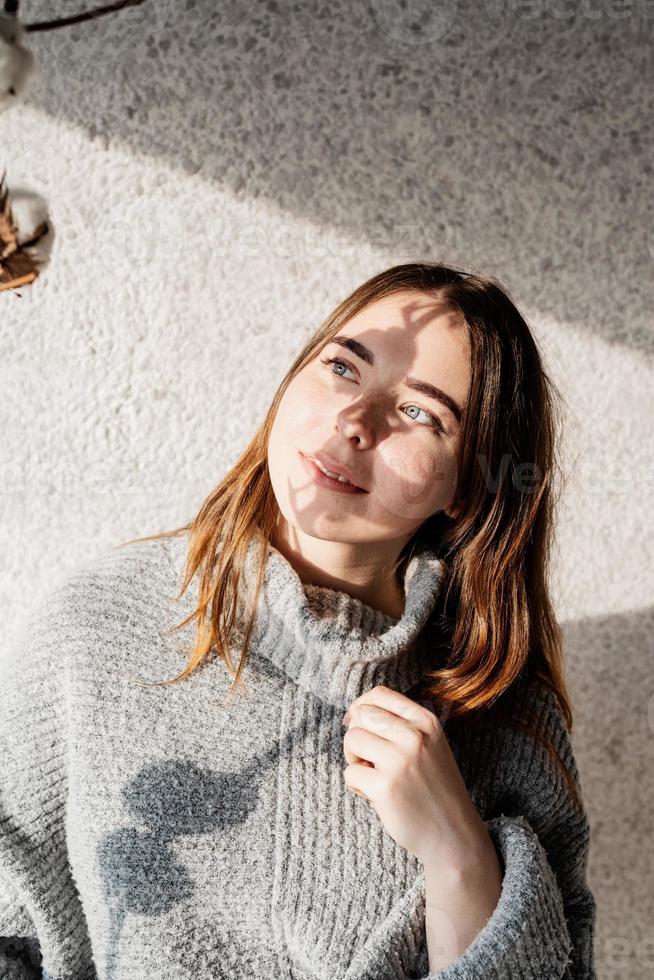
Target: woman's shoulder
127, 583
140, 568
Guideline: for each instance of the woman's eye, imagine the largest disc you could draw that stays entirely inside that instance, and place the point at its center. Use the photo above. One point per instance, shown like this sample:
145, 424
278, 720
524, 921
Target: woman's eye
433, 422
336, 360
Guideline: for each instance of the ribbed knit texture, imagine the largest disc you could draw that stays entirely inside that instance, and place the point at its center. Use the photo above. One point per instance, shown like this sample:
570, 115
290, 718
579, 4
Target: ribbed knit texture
165, 834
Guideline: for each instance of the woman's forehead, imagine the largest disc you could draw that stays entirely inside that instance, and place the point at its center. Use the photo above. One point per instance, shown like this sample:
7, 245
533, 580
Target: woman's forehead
409, 309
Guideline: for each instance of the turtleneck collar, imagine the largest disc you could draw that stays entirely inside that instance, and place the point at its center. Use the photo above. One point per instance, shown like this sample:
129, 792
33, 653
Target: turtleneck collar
332, 644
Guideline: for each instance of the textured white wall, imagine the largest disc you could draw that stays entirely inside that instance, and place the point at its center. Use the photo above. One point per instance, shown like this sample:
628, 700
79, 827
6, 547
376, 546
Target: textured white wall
219, 178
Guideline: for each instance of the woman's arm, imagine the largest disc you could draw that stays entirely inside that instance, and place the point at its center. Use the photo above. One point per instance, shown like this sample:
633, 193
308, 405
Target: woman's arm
41, 920
543, 924
503, 788
458, 906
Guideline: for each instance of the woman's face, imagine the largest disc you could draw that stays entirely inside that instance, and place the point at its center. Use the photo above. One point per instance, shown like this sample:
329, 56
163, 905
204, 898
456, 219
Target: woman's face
400, 444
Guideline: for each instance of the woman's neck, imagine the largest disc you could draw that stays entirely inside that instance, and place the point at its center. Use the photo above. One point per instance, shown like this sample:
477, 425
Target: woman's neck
370, 584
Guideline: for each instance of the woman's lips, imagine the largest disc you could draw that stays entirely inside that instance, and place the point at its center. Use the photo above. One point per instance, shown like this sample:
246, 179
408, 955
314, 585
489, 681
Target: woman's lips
328, 482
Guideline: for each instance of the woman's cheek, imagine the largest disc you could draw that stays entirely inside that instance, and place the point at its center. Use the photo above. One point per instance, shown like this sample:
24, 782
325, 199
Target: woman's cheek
413, 485
299, 417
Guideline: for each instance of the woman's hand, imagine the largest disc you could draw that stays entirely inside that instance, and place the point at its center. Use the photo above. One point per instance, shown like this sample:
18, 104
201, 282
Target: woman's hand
400, 760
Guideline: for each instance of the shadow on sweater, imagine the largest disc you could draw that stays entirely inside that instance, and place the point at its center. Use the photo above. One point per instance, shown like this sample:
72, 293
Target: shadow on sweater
175, 798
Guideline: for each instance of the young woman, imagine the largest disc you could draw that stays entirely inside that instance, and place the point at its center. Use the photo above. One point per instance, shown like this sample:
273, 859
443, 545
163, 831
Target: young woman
376, 559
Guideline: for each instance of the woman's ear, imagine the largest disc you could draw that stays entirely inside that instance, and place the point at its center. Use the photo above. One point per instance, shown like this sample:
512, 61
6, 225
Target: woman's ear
454, 509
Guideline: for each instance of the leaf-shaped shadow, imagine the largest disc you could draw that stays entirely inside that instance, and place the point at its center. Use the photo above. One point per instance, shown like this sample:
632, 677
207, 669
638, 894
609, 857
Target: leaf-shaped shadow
174, 798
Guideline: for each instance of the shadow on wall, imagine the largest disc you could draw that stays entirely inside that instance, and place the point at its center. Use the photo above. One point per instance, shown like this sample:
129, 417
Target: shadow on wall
609, 664
508, 137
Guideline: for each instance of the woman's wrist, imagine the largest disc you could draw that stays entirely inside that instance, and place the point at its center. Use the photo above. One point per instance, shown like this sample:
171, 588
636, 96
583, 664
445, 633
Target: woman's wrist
460, 898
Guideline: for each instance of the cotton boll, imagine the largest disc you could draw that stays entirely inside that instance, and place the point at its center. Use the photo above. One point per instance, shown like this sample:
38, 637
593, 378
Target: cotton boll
29, 211
17, 62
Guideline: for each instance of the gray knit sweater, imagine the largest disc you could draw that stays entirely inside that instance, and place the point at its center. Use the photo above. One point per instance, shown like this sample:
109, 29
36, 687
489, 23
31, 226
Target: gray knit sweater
166, 834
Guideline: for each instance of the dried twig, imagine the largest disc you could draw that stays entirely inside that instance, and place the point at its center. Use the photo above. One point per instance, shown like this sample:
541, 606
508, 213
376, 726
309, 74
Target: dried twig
20, 281
48, 25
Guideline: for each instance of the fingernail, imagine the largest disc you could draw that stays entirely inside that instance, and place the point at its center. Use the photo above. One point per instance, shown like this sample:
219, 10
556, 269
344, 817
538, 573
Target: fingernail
346, 717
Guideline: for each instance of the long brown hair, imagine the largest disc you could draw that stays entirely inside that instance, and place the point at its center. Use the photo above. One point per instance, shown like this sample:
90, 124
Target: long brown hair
493, 625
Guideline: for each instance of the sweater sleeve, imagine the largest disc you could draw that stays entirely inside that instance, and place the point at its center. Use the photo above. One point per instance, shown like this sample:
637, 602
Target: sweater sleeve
42, 928
543, 924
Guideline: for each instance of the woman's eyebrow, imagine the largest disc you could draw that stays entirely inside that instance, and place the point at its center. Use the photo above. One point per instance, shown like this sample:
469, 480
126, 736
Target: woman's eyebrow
424, 387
